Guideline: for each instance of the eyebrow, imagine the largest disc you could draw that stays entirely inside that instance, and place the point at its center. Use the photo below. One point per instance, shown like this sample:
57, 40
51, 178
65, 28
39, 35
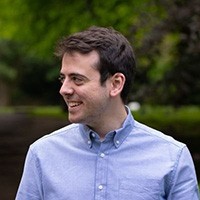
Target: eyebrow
75, 74
61, 74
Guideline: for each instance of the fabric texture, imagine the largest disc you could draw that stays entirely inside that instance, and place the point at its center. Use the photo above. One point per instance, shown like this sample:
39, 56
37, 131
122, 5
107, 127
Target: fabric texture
133, 162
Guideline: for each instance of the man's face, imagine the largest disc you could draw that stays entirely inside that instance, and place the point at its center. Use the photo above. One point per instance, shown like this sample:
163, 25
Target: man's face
86, 98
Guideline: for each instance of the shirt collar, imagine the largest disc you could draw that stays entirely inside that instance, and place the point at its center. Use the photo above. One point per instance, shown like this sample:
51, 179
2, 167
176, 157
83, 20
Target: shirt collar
124, 131
118, 136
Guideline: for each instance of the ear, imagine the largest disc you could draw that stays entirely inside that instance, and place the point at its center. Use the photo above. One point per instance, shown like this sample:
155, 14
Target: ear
117, 84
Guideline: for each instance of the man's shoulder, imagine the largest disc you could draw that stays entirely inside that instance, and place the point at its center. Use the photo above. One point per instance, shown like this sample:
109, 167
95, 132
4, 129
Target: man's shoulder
157, 135
64, 130
63, 133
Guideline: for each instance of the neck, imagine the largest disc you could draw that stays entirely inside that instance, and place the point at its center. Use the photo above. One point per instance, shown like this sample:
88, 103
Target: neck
113, 120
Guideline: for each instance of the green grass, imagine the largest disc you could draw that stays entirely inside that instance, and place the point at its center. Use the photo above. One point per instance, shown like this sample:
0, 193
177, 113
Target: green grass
38, 111
183, 121
6, 110
177, 121
49, 111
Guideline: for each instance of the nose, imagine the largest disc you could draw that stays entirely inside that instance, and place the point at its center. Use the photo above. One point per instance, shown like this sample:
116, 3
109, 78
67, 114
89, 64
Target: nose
66, 89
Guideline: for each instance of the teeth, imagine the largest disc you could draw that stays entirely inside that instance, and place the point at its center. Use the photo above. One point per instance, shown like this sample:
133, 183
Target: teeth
73, 104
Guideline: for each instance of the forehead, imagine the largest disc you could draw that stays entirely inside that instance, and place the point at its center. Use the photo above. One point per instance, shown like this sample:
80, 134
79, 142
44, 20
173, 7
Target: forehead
77, 60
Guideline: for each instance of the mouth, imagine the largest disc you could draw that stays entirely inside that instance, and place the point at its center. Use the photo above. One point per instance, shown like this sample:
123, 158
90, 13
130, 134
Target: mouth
73, 104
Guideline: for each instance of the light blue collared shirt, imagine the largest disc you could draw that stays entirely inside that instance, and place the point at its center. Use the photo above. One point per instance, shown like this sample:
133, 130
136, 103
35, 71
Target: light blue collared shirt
134, 162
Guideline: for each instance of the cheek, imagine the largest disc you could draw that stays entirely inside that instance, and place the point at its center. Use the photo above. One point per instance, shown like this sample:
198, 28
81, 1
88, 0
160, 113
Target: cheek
98, 97
93, 94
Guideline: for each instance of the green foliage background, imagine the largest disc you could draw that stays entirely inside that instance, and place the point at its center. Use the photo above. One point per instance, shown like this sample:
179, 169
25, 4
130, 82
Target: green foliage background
165, 36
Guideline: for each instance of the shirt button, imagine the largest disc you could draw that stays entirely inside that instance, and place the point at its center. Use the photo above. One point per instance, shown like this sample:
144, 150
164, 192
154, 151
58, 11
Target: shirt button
89, 142
93, 135
100, 187
117, 142
102, 155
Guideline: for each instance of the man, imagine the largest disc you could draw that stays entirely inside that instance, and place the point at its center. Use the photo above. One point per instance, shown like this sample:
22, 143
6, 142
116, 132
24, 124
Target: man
104, 153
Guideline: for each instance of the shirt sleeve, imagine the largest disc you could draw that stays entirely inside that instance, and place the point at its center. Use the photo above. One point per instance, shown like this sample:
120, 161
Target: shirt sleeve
185, 184
30, 184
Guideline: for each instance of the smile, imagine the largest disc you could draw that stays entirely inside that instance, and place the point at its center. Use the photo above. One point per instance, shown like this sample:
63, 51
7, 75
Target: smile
73, 104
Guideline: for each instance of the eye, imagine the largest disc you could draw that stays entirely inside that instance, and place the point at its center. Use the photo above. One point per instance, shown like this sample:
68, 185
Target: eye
77, 80
61, 79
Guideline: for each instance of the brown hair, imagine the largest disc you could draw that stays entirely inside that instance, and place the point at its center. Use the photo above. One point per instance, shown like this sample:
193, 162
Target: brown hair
115, 52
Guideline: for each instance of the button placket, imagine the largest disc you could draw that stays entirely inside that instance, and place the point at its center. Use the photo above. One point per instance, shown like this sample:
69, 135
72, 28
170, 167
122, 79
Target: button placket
100, 187
101, 172
102, 155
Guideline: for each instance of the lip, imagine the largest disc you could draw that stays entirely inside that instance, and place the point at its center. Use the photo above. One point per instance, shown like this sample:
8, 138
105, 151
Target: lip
72, 105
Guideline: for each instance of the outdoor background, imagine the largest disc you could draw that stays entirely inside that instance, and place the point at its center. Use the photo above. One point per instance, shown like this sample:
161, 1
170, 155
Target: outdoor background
165, 36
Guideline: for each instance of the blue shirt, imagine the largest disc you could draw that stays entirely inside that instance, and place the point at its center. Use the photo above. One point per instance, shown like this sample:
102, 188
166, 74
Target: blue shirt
134, 162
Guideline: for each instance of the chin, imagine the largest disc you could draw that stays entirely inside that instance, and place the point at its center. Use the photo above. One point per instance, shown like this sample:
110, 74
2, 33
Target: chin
75, 120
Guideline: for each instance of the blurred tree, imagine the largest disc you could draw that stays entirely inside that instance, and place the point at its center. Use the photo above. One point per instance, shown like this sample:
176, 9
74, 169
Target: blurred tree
38, 24
165, 36
9, 61
169, 56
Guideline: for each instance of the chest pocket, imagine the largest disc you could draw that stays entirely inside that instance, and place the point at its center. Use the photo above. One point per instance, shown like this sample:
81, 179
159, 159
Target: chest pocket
131, 189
